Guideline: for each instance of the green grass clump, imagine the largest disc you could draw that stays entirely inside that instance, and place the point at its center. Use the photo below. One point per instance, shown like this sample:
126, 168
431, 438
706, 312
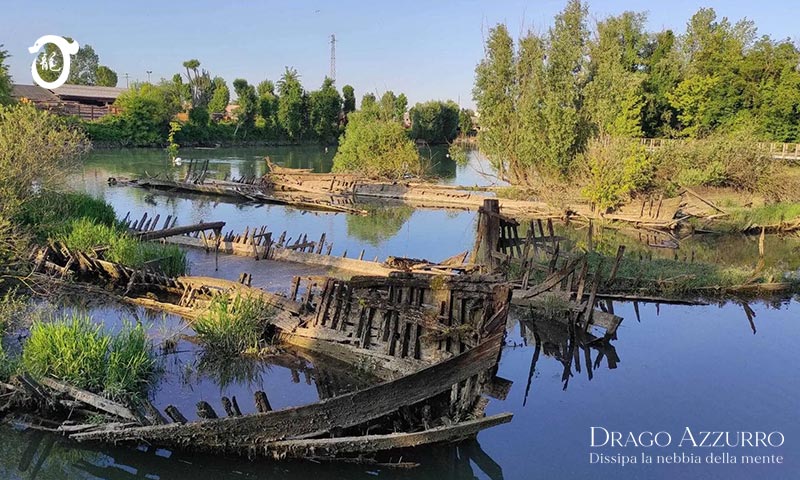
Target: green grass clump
233, 325
52, 213
86, 234
8, 365
672, 277
78, 351
668, 277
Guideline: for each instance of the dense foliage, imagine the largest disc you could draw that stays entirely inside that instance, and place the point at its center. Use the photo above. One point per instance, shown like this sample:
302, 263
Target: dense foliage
434, 121
5, 78
36, 148
376, 147
324, 107
544, 98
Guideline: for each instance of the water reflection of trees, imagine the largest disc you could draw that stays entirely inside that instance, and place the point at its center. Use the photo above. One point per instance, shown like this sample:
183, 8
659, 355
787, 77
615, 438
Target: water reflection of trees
240, 370
382, 223
438, 160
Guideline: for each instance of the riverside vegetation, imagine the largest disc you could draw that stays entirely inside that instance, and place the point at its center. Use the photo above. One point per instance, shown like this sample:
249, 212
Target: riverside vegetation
561, 110
37, 149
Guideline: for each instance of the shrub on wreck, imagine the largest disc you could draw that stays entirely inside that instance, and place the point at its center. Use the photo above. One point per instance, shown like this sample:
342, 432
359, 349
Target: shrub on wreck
376, 148
86, 234
233, 325
51, 213
76, 350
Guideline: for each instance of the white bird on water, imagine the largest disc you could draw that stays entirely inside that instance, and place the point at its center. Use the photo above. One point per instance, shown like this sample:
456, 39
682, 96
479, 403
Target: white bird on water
177, 161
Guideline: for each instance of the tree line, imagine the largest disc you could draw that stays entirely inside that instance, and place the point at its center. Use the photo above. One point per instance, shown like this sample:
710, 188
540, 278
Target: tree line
282, 111
543, 97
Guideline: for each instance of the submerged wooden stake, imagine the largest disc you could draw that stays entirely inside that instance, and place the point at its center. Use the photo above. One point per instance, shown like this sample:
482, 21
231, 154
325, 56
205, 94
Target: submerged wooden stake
262, 402
175, 414
204, 410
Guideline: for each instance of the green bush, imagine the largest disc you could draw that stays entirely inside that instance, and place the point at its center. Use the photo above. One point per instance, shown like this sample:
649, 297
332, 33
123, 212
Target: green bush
617, 169
375, 147
86, 234
233, 325
74, 349
732, 160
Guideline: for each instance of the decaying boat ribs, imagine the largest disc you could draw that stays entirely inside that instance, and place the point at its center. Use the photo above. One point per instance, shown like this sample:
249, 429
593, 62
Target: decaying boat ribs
435, 339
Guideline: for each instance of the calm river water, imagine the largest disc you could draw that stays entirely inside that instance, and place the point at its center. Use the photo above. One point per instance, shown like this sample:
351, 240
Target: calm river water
705, 368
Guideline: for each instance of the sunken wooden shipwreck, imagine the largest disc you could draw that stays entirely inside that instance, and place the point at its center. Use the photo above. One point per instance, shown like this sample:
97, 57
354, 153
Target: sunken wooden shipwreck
430, 333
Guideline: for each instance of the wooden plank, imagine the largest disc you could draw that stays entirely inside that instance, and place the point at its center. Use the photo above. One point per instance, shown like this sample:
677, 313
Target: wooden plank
332, 447
90, 398
170, 232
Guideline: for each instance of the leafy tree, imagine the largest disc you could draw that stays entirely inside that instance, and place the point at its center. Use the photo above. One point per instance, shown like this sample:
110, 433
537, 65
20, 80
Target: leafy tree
400, 107
386, 105
375, 147
5, 79
434, 122
349, 99
531, 102
248, 104
324, 107
369, 104
614, 94
83, 67
105, 77
494, 94
146, 112
221, 98
713, 90
662, 70
291, 104
465, 126
268, 105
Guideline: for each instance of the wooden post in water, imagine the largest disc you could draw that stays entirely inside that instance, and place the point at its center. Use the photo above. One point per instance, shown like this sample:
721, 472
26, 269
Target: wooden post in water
487, 237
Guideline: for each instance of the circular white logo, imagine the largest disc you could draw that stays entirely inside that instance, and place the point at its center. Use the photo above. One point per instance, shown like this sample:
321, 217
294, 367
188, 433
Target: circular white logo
66, 49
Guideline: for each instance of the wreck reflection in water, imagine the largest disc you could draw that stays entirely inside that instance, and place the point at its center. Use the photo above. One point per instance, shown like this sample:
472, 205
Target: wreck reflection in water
574, 348
42, 456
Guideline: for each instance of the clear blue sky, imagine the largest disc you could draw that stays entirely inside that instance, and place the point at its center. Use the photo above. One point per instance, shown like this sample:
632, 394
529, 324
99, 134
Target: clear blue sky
427, 49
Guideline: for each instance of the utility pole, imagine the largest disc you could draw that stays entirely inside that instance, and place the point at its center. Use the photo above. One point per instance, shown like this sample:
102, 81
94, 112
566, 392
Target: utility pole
126, 81
333, 57
148, 75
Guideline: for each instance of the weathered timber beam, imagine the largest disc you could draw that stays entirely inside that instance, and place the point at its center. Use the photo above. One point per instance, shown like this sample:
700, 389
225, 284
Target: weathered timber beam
171, 232
332, 447
90, 398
